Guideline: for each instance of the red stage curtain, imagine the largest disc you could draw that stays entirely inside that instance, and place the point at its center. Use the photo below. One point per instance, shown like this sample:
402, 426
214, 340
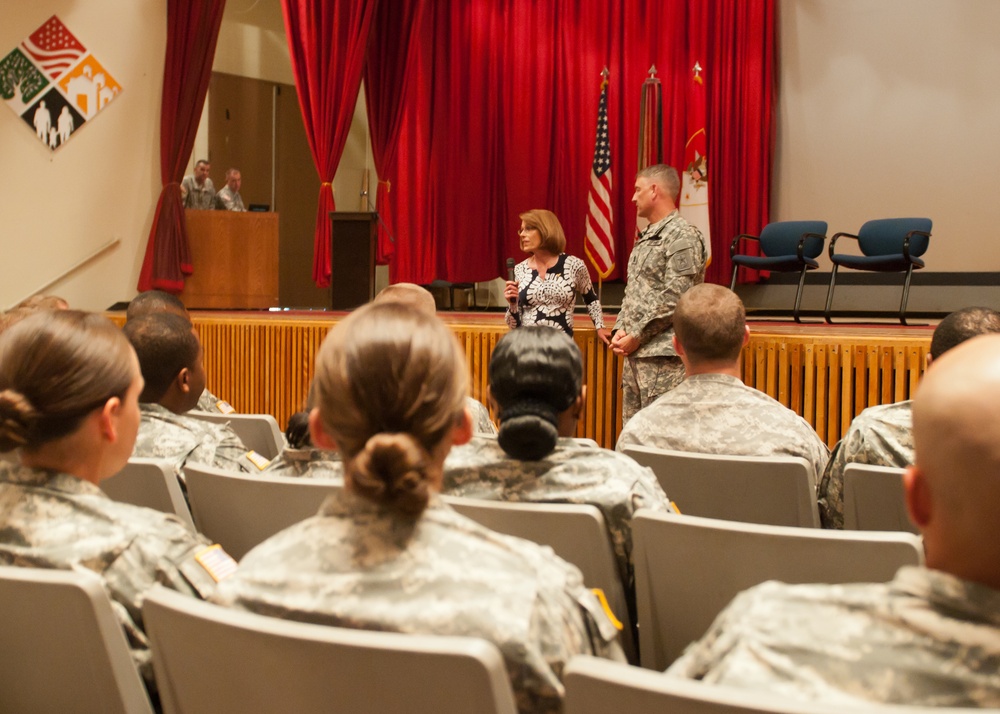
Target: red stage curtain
388, 70
327, 41
499, 118
192, 32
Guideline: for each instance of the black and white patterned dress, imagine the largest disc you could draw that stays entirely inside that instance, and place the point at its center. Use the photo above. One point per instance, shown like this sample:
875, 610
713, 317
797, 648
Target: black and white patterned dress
550, 301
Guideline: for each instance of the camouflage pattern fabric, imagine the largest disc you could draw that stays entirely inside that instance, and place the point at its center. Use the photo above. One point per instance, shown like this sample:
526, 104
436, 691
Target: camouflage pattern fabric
718, 414
481, 422
195, 196
879, 436
925, 639
178, 439
358, 565
573, 473
645, 379
208, 402
307, 463
53, 520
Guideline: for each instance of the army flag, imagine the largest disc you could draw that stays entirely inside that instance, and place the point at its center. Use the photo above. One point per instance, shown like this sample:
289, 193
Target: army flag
694, 180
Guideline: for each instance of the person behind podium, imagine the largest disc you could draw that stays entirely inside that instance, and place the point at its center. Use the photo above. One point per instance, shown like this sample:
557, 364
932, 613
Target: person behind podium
197, 190
545, 286
229, 198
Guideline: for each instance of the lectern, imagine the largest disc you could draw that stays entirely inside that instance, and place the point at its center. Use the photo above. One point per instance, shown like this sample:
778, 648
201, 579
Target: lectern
352, 258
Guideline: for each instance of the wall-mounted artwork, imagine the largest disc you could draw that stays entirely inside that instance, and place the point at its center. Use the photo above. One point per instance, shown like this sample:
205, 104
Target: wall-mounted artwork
54, 83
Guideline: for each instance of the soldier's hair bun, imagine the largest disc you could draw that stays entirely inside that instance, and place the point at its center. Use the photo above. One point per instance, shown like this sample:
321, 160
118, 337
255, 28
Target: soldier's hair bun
393, 470
535, 374
17, 419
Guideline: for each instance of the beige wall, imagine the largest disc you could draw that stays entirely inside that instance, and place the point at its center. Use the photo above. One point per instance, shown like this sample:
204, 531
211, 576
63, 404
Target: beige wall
892, 108
59, 207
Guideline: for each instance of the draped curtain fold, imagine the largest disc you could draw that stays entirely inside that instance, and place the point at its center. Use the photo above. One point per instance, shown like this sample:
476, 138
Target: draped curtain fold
327, 42
388, 70
192, 33
500, 115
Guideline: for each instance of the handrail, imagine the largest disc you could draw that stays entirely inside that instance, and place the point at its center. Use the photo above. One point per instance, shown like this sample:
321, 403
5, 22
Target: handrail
72, 268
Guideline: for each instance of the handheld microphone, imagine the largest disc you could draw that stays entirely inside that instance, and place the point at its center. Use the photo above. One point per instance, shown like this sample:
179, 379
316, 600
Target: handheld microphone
510, 278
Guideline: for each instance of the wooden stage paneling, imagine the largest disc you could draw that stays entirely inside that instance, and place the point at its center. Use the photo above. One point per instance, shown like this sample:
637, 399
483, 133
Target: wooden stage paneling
263, 363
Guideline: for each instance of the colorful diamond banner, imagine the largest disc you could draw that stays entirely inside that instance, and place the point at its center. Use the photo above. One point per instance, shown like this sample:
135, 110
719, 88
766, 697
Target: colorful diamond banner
54, 84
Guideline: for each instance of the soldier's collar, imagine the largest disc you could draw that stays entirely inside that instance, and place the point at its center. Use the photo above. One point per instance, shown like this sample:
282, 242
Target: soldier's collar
654, 229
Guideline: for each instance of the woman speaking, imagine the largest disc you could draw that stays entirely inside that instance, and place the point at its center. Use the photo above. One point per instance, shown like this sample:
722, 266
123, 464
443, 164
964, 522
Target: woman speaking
545, 286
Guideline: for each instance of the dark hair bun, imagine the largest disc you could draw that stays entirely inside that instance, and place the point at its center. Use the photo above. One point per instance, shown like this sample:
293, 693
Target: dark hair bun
17, 418
528, 430
393, 470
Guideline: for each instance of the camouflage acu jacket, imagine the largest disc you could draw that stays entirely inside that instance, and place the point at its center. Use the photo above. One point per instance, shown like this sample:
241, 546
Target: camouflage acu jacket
667, 259
718, 414
573, 473
925, 639
307, 463
358, 565
878, 436
208, 402
179, 438
53, 520
481, 422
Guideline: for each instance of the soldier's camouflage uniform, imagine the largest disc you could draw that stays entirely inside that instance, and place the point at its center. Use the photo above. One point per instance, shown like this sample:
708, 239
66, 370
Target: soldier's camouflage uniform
572, 473
358, 565
308, 462
178, 438
208, 402
879, 436
925, 639
718, 414
53, 520
667, 259
481, 422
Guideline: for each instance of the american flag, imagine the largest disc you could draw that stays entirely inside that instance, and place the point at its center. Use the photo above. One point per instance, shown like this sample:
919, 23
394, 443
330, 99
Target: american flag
53, 48
599, 245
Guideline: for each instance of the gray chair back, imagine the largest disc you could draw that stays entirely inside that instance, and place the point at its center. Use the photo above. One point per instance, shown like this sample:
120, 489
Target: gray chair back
215, 660
874, 499
259, 432
151, 483
687, 569
62, 649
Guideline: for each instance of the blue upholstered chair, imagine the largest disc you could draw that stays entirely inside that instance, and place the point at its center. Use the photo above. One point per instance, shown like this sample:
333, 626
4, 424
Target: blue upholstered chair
786, 246
888, 245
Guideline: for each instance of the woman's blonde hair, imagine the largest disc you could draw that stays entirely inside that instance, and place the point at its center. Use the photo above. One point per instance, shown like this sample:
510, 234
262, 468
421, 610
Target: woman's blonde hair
548, 226
55, 368
390, 383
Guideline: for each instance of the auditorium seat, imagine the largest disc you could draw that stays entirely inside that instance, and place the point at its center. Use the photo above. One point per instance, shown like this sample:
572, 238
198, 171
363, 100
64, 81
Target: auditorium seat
151, 483
239, 511
259, 432
595, 686
577, 534
62, 649
874, 499
776, 490
214, 660
687, 569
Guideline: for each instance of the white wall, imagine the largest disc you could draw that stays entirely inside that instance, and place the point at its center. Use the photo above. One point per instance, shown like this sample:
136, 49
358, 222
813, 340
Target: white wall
59, 207
892, 108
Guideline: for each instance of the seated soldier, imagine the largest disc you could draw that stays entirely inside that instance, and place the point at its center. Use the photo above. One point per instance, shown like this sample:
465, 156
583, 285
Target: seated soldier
170, 357
928, 638
536, 386
69, 391
300, 459
712, 411
882, 435
159, 301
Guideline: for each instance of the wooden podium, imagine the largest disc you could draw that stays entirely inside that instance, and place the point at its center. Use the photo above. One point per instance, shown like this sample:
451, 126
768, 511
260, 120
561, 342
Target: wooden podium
352, 258
235, 259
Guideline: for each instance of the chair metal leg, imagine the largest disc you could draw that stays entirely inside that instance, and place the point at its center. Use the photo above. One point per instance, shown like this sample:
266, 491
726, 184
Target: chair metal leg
829, 294
798, 295
906, 295
732, 285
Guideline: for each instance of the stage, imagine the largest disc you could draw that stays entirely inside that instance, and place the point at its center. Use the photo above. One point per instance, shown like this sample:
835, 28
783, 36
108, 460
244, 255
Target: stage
262, 362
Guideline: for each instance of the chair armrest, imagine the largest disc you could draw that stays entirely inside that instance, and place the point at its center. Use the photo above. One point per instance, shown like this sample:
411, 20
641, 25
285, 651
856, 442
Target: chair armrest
802, 244
833, 241
906, 243
736, 242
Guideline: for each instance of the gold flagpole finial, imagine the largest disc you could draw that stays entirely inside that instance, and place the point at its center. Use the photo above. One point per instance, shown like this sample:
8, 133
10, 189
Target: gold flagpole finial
652, 72
605, 73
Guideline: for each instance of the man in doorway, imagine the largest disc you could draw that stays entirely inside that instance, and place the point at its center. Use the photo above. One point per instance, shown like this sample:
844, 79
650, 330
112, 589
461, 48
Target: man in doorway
667, 259
197, 190
229, 199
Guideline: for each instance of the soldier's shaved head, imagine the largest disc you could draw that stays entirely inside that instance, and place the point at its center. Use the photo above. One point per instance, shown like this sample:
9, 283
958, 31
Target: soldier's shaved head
408, 294
710, 325
954, 487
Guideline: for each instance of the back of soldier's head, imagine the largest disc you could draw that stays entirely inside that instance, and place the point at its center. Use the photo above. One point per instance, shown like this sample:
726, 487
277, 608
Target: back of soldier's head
409, 294
165, 344
956, 430
155, 301
710, 324
963, 325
